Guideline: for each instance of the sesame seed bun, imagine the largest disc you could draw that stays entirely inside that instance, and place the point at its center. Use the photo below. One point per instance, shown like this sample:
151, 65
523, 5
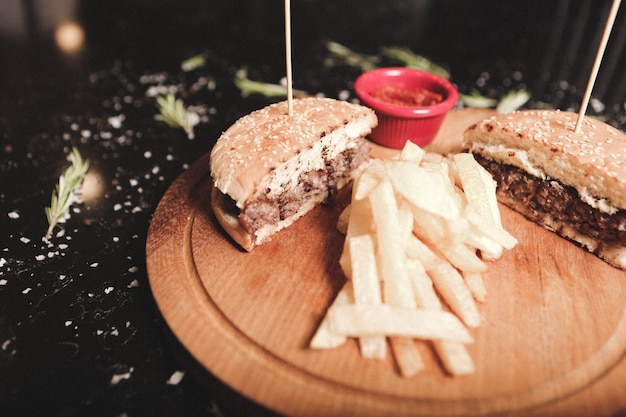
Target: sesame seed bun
544, 145
264, 157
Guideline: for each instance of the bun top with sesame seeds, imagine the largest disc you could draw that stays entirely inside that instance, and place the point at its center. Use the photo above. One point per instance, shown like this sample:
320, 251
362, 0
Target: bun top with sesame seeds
544, 144
266, 142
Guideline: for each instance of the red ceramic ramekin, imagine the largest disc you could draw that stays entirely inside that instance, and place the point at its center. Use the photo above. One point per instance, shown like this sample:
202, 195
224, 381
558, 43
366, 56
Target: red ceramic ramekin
398, 123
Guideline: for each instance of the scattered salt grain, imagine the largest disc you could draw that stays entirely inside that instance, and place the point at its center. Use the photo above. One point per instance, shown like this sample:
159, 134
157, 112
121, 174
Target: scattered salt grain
108, 290
161, 90
3, 282
40, 257
24, 239
14, 214
27, 290
116, 378
175, 378
116, 121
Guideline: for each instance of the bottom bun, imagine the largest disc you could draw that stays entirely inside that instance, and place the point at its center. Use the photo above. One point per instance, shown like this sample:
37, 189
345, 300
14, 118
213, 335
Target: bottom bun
228, 218
613, 254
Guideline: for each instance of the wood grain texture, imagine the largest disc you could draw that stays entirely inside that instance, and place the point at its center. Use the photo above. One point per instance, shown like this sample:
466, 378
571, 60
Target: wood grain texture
551, 343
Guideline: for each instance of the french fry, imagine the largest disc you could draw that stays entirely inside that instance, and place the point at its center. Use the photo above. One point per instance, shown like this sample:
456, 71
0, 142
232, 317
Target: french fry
344, 219
366, 288
355, 320
476, 285
417, 250
394, 275
360, 223
324, 337
369, 179
390, 249
462, 256
407, 356
424, 189
405, 222
422, 285
478, 186
412, 152
489, 229
453, 355
490, 250
449, 238
454, 291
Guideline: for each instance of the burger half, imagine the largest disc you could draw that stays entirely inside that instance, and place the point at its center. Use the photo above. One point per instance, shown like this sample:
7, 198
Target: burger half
270, 168
572, 183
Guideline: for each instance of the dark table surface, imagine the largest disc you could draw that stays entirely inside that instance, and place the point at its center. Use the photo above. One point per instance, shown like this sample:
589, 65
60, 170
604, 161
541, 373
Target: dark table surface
80, 334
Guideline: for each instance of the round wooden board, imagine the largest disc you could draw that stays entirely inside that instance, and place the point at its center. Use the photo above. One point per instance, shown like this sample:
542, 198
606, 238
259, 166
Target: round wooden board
553, 324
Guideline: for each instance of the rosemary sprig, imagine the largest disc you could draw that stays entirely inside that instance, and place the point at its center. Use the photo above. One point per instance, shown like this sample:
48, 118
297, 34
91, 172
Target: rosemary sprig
412, 60
67, 191
512, 101
194, 62
248, 86
174, 113
475, 99
342, 55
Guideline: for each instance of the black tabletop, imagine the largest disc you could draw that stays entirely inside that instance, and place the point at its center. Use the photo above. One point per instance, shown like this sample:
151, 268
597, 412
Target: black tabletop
80, 334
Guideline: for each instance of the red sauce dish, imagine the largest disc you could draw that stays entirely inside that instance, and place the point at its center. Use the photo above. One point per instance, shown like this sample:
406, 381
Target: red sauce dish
410, 104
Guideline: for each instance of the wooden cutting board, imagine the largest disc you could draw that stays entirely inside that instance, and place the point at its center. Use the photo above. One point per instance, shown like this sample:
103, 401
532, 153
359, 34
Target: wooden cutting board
551, 343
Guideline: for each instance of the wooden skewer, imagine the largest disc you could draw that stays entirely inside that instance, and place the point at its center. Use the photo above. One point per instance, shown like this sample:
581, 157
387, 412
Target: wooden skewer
596, 64
288, 55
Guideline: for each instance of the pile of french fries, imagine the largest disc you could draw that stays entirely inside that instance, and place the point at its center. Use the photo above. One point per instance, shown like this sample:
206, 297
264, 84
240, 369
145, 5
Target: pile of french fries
419, 232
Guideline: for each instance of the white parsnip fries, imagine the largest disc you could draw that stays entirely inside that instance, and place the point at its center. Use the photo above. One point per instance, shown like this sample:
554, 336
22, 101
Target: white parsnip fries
419, 233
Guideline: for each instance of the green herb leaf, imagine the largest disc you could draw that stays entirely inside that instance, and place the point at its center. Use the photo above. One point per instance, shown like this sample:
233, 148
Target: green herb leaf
510, 102
194, 62
67, 192
475, 99
248, 86
342, 55
513, 101
174, 113
413, 60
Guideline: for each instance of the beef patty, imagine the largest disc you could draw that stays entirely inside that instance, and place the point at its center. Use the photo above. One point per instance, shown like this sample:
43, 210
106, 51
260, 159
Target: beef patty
263, 209
560, 201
